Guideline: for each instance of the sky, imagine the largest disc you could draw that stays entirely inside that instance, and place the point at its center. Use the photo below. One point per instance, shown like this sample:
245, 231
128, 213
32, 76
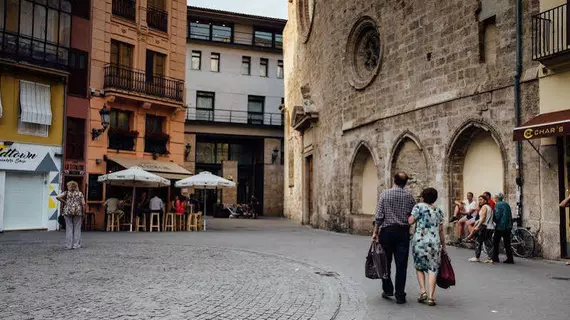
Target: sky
268, 8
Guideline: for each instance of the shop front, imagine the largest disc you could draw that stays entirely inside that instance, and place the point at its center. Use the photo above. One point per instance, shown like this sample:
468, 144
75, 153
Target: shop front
552, 129
29, 184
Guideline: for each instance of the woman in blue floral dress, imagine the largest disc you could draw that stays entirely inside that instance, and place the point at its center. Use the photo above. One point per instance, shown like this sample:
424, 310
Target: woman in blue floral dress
427, 243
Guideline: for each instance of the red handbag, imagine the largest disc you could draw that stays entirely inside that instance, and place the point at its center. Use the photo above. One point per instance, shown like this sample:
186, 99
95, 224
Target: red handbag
445, 276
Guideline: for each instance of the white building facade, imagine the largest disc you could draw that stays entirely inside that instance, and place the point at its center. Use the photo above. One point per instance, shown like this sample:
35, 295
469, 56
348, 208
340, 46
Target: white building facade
234, 88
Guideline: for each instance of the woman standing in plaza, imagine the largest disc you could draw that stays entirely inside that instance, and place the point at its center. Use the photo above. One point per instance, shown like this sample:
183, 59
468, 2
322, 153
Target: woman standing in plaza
427, 243
483, 229
73, 208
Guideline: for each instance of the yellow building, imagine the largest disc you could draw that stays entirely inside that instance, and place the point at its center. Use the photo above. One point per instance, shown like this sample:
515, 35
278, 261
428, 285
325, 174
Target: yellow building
32, 95
137, 76
549, 131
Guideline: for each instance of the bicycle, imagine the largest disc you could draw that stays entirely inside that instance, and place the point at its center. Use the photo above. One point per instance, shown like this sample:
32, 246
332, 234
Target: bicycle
522, 242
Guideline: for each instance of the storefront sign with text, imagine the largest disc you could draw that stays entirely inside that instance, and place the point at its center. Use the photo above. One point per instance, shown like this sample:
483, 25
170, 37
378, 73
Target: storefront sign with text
28, 157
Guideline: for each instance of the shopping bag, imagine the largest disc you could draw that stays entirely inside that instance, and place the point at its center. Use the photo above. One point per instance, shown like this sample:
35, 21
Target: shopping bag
379, 258
445, 276
369, 267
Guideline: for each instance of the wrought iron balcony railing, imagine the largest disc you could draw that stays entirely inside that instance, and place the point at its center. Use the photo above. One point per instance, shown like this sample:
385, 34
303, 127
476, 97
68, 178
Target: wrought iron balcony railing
157, 18
138, 81
125, 8
550, 33
44, 53
234, 116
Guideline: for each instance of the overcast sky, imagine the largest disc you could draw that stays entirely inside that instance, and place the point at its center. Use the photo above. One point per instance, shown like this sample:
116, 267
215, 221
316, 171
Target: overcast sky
268, 8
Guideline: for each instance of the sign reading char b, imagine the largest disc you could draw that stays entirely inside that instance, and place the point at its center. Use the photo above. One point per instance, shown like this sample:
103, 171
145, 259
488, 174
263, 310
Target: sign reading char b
541, 132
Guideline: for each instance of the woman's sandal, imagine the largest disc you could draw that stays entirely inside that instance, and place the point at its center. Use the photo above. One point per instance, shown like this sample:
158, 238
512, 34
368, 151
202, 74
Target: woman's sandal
431, 302
423, 297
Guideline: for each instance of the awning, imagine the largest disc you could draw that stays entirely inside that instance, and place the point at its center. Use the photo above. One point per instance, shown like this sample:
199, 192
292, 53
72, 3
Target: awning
165, 169
35, 103
552, 124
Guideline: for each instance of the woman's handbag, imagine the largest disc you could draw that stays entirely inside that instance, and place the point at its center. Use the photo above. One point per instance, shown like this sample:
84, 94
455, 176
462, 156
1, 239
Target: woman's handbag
445, 276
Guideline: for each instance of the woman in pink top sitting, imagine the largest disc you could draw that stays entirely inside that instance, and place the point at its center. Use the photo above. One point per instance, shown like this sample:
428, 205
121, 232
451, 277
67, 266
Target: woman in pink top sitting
179, 206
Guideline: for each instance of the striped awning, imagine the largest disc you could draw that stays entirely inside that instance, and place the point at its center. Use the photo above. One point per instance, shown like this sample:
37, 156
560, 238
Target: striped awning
35, 103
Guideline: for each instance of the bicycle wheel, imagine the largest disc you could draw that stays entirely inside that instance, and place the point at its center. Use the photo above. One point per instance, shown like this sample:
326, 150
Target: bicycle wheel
522, 243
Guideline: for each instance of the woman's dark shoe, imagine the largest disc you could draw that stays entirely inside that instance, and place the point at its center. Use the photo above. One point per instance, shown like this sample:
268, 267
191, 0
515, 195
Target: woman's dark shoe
431, 302
509, 261
387, 296
422, 298
400, 300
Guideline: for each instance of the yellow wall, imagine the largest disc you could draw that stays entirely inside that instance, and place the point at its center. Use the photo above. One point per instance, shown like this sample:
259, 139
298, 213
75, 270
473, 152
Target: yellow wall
369, 187
483, 168
549, 4
554, 94
10, 89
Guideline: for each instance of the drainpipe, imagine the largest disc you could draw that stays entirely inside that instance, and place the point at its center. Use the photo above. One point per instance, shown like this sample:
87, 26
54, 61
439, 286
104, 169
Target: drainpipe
517, 86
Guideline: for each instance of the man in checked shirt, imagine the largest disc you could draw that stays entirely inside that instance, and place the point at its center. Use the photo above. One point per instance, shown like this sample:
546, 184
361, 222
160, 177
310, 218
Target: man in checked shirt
393, 231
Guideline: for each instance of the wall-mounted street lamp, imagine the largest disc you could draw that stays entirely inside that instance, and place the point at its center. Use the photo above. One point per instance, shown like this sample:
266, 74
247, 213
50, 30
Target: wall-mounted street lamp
274, 155
187, 150
105, 121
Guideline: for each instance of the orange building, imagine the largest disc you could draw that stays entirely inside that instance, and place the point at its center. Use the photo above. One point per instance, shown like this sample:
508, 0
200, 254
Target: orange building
137, 78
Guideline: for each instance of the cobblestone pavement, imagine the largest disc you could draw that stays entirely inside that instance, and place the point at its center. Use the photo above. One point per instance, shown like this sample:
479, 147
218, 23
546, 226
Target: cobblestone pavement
242, 269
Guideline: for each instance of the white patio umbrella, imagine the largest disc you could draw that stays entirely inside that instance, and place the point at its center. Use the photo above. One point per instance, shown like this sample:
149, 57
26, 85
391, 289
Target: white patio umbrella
134, 177
205, 180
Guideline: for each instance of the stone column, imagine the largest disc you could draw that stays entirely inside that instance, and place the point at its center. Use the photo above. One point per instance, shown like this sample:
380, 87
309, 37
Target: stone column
230, 172
549, 221
272, 179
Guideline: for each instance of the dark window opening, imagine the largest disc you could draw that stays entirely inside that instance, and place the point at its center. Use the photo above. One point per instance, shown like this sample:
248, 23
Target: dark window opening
215, 62
78, 69
196, 60
120, 135
255, 109
205, 106
155, 139
75, 139
246, 66
263, 67
280, 73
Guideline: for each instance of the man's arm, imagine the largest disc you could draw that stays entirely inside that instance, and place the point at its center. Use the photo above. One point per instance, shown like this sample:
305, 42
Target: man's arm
565, 203
379, 217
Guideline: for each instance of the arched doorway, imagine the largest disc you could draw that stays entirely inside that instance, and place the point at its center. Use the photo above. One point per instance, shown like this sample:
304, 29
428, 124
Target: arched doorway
476, 163
409, 158
364, 182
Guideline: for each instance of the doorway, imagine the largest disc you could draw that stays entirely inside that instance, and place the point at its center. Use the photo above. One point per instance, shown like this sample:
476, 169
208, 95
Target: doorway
309, 183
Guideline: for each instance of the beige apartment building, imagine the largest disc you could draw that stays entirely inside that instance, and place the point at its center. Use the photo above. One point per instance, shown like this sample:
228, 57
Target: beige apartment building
426, 87
137, 93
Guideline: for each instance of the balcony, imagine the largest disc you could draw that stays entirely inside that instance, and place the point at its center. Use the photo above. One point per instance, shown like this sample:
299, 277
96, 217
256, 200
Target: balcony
234, 117
23, 48
138, 81
122, 139
157, 18
550, 37
125, 8
156, 142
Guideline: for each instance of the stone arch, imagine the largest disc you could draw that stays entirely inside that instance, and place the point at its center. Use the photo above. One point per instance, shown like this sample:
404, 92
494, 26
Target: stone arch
363, 181
476, 161
408, 155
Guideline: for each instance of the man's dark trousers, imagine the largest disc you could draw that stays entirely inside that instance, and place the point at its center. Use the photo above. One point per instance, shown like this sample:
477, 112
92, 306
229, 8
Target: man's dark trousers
396, 243
506, 236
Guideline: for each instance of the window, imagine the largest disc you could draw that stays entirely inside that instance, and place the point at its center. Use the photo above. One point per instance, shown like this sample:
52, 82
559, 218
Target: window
75, 139
205, 106
212, 153
268, 39
81, 9
157, 4
155, 65
280, 69
35, 109
155, 139
121, 54
120, 119
196, 60
78, 68
125, 8
488, 41
263, 67
36, 30
255, 109
210, 30
215, 62
246, 66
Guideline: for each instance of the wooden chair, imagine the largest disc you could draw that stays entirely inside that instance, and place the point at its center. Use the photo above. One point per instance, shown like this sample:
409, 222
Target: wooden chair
192, 223
113, 222
180, 222
152, 224
200, 220
139, 225
169, 222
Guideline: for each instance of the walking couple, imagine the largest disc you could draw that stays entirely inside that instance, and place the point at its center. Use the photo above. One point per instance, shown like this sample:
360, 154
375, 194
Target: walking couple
395, 212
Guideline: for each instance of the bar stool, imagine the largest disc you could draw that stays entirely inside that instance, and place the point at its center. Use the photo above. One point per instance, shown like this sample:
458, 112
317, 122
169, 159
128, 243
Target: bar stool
200, 220
157, 225
139, 225
192, 223
89, 221
180, 222
112, 222
169, 222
